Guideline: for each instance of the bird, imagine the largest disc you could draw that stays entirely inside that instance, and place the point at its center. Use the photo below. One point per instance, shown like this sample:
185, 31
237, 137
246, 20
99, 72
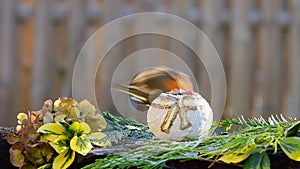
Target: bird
149, 83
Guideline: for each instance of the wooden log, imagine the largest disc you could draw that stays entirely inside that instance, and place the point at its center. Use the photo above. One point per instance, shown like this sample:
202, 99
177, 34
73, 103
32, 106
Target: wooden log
4, 151
278, 160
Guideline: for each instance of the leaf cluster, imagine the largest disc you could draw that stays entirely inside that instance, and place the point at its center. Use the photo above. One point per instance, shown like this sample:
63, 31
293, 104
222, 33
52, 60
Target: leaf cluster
63, 125
246, 146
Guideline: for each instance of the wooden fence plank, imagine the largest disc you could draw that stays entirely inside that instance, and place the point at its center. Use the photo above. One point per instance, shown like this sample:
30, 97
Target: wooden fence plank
188, 66
43, 61
76, 36
38, 52
292, 98
241, 61
270, 59
211, 27
23, 65
7, 61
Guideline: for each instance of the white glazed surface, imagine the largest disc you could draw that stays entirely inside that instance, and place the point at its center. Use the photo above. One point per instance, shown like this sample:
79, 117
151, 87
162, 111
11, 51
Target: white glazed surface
200, 118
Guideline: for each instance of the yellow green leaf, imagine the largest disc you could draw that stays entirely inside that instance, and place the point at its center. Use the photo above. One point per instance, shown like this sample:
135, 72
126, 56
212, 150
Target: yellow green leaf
85, 128
51, 128
75, 127
16, 157
64, 160
45, 166
21, 117
237, 156
291, 147
81, 128
80, 145
60, 146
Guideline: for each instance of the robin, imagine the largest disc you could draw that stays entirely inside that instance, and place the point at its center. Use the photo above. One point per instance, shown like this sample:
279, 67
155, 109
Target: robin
151, 82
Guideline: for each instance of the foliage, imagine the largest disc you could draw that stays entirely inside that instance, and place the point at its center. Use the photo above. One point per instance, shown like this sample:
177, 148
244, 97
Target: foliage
55, 134
120, 127
247, 146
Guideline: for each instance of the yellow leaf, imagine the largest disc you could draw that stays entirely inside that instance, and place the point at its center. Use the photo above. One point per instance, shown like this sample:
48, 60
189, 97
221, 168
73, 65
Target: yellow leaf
53, 137
51, 128
85, 128
237, 156
64, 160
21, 117
80, 145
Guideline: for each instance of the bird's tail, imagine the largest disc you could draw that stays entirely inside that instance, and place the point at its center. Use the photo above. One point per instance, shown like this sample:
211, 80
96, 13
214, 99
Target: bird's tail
134, 94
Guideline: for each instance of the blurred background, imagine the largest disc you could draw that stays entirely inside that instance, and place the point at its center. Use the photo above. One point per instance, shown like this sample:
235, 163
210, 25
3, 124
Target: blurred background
258, 42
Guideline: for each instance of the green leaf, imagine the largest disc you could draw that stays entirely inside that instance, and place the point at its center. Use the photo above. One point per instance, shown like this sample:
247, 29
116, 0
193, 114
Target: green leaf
293, 130
64, 160
81, 145
80, 128
74, 127
258, 161
46, 166
16, 157
291, 147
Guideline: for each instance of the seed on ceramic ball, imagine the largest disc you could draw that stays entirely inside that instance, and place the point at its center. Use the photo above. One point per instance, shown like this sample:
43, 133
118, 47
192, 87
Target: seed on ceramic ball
179, 114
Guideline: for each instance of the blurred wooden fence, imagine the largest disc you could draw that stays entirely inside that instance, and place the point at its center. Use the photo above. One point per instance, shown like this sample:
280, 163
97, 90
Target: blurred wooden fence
258, 42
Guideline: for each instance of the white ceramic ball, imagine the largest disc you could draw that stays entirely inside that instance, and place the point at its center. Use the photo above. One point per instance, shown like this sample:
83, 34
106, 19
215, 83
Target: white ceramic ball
198, 113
